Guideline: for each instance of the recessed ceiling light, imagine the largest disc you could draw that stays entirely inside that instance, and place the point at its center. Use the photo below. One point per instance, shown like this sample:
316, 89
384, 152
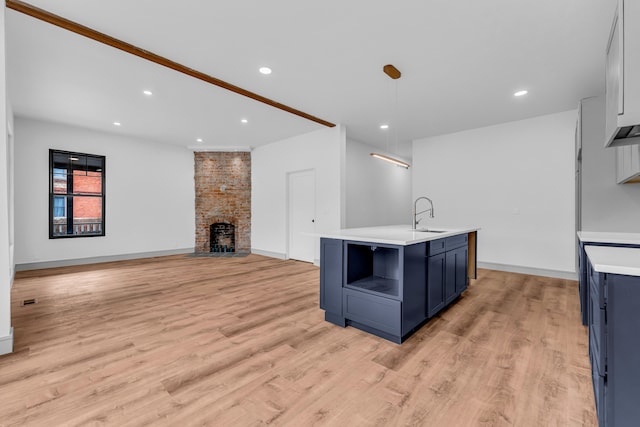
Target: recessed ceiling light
198, 139
117, 123
265, 70
148, 92
73, 159
244, 121
520, 93
384, 126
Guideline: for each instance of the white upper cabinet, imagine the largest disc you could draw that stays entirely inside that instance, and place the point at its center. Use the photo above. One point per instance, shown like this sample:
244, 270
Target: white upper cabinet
628, 164
623, 76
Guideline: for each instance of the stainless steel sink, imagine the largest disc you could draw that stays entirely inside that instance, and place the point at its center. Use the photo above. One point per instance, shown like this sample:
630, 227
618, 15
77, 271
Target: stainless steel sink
428, 230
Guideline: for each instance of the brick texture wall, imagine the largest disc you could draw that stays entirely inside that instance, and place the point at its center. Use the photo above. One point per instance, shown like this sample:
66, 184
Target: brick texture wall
223, 194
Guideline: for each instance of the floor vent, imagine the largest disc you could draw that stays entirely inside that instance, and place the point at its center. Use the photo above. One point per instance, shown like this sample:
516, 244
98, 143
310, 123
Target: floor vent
29, 301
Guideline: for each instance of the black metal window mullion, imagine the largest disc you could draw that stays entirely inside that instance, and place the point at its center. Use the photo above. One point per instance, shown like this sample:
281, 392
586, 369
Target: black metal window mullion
69, 199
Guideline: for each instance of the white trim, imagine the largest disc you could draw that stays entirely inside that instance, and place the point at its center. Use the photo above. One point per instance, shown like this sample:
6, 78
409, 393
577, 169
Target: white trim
568, 275
6, 343
99, 259
270, 254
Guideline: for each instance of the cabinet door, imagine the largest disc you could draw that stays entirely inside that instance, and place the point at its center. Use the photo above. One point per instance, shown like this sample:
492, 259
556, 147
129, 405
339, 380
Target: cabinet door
456, 273
331, 275
597, 331
613, 81
450, 277
461, 269
435, 283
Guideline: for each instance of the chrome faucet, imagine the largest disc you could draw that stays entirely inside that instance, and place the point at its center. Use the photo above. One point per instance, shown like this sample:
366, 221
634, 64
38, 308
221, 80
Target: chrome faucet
416, 213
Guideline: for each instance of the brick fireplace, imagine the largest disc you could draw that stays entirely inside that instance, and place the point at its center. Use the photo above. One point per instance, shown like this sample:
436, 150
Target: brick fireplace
223, 201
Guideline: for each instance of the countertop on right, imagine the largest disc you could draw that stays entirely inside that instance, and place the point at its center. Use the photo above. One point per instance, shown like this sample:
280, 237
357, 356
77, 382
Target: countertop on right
614, 259
609, 237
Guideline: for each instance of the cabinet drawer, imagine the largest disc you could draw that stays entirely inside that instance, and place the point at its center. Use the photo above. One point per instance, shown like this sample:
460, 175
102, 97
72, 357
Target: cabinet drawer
435, 247
381, 313
456, 241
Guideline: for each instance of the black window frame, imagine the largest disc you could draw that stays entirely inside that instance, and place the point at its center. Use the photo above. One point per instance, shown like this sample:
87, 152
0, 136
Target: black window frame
71, 194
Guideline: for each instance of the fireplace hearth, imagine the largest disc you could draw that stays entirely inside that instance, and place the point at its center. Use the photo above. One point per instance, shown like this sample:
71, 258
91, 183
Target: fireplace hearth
222, 237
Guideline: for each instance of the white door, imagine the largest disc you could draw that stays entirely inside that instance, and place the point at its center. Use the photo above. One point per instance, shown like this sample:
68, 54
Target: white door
302, 211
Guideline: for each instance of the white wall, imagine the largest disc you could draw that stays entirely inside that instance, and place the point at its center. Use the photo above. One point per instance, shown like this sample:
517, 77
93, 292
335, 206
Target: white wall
150, 195
606, 205
377, 192
515, 181
322, 151
6, 263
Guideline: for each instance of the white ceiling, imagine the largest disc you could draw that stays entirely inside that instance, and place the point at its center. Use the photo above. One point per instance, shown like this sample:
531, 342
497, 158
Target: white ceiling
461, 62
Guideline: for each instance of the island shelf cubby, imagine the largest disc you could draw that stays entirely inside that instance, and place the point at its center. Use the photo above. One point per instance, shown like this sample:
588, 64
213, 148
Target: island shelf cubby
373, 269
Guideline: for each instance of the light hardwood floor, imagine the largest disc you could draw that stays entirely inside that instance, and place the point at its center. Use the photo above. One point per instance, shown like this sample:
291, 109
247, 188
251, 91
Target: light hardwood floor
182, 341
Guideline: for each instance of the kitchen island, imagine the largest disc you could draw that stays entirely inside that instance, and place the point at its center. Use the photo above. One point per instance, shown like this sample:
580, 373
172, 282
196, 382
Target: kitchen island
390, 280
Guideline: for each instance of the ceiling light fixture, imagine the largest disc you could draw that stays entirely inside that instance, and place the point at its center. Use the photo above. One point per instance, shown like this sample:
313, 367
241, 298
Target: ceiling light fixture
117, 123
265, 70
390, 160
520, 93
394, 74
244, 121
198, 139
148, 92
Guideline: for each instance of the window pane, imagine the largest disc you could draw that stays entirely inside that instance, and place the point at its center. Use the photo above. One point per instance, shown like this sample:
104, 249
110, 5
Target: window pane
95, 164
78, 164
87, 215
60, 161
59, 207
59, 216
60, 181
91, 183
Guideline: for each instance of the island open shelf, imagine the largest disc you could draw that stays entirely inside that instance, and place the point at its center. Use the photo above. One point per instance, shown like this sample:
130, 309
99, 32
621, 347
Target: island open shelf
373, 269
374, 285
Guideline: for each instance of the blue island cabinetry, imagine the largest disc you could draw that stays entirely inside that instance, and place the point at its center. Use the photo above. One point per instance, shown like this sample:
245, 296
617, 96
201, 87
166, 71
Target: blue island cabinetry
613, 275
390, 290
596, 238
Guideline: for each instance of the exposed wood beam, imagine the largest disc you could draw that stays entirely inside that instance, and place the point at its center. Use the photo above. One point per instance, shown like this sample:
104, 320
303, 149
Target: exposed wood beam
74, 27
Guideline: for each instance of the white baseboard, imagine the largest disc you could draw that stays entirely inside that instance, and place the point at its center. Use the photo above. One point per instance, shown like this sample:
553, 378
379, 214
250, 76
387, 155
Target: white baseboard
268, 253
568, 275
6, 343
99, 259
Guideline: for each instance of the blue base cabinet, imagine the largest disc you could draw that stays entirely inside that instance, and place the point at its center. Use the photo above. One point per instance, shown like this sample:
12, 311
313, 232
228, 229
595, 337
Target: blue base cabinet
390, 290
614, 346
583, 281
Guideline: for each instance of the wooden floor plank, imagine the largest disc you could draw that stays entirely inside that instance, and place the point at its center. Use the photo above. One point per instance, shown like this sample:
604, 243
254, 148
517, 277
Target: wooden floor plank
241, 341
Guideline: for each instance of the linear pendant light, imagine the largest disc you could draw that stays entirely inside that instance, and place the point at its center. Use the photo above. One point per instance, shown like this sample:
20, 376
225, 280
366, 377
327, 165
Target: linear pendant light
394, 74
390, 160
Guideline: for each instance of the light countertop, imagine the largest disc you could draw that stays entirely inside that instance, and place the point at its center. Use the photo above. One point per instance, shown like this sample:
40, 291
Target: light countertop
606, 237
614, 260
394, 234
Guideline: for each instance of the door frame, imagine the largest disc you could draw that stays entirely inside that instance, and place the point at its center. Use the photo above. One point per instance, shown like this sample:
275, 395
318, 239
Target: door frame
288, 228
